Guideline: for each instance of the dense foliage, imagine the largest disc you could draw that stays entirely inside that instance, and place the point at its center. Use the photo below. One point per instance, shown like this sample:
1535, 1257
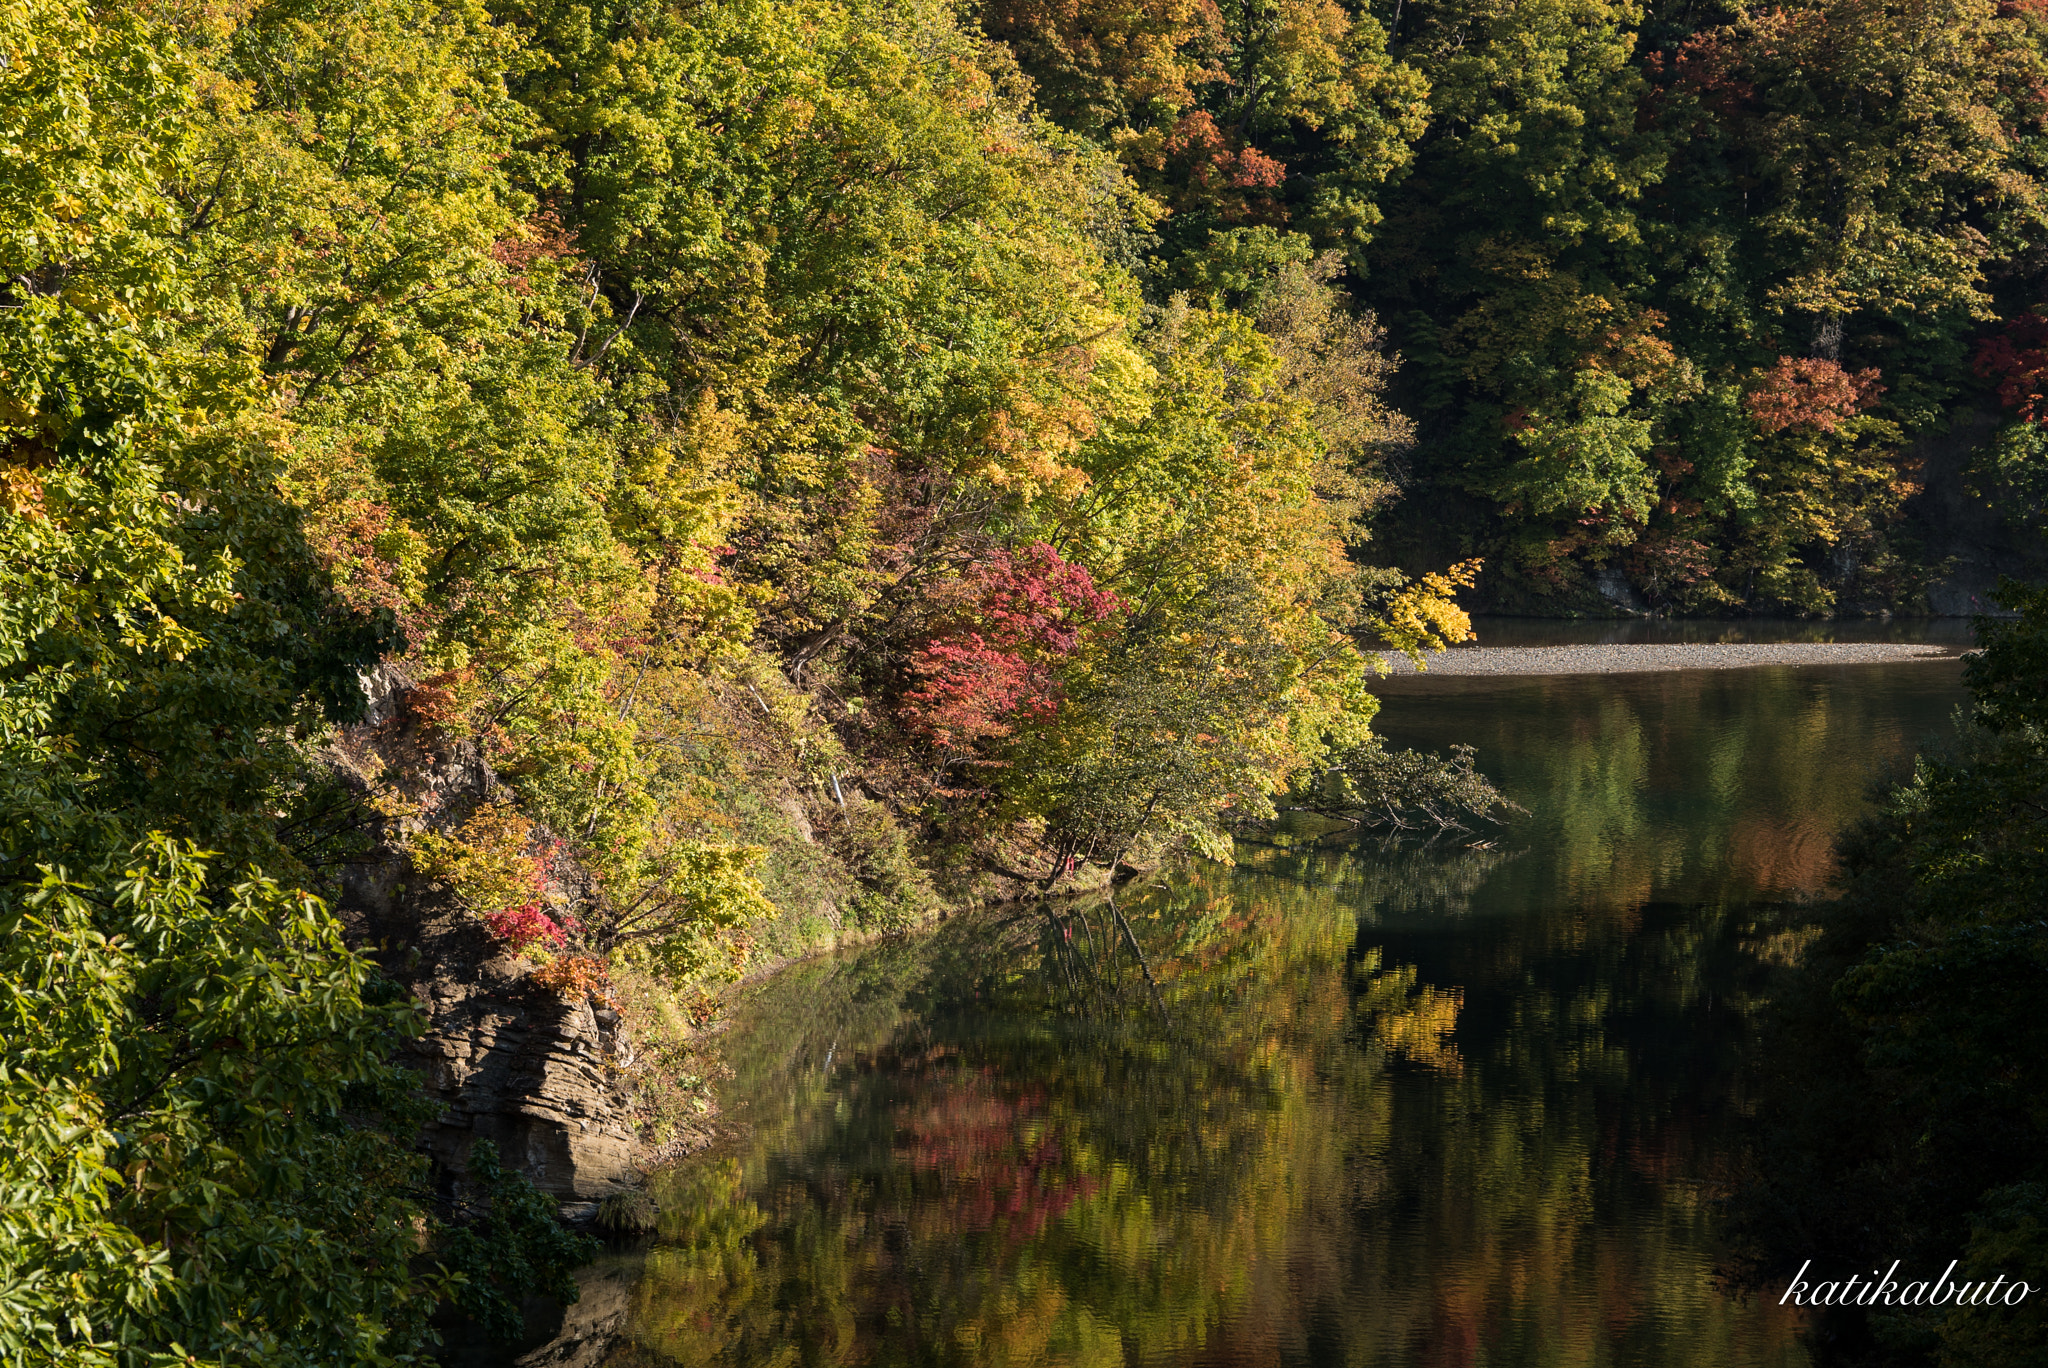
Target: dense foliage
1677, 285
1903, 1118
682, 405
741, 429
824, 460
196, 1114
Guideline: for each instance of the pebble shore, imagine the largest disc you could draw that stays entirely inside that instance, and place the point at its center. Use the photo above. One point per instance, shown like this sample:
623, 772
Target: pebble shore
1635, 658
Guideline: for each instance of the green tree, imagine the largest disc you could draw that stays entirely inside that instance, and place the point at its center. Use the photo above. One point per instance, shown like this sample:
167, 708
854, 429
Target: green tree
207, 1131
199, 1108
1514, 266
1902, 1115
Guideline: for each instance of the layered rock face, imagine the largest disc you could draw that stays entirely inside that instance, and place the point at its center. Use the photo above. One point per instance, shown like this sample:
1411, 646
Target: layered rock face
509, 1060
582, 1334
530, 1072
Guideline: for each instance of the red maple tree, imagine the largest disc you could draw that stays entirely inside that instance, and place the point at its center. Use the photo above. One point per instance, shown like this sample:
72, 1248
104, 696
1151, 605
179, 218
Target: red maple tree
2017, 358
1031, 609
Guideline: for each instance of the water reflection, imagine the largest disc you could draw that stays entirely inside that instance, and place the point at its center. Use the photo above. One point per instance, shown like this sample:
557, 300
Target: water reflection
1442, 1106
1682, 786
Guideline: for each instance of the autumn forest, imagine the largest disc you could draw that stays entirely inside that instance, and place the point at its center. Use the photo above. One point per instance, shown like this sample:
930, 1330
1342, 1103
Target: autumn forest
651, 488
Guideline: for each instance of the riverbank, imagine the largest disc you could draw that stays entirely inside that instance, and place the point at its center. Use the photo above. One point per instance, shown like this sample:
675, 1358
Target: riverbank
1636, 657
692, 1121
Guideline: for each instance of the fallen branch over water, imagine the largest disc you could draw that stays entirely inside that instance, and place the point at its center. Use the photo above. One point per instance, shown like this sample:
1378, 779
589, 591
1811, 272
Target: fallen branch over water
1405, 790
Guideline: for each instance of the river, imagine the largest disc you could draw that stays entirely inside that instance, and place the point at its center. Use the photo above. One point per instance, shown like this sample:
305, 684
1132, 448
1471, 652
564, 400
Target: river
1470, 1102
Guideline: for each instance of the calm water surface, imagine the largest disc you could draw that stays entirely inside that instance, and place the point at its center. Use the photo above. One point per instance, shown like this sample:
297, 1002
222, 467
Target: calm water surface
1458, 1105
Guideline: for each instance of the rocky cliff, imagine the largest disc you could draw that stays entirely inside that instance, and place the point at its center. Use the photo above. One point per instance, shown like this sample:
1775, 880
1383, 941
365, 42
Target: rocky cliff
508, 1060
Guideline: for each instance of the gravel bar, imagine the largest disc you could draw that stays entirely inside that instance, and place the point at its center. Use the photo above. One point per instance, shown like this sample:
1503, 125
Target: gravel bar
1635, 658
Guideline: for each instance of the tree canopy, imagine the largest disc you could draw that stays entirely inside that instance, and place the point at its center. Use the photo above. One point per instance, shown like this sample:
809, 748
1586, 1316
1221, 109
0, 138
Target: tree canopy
687, 412
826, 460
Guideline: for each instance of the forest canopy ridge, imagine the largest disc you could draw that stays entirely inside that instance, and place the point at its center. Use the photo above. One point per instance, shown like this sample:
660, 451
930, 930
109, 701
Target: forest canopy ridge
689, 481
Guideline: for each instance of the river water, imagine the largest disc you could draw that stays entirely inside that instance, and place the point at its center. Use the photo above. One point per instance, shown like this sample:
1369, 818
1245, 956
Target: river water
1457, 1104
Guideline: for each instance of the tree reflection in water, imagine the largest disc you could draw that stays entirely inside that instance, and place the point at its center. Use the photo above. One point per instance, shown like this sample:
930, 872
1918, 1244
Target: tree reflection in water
1417, 1106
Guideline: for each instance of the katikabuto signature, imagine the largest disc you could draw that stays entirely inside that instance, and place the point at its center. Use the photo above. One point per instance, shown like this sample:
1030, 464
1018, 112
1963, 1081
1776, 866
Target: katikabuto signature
1886, 1291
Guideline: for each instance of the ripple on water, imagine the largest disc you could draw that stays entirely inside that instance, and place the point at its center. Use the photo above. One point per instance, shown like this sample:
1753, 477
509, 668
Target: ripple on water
1459, 1104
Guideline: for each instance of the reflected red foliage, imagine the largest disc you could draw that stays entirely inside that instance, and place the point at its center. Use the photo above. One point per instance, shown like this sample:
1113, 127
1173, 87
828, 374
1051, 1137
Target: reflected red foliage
1002, 1162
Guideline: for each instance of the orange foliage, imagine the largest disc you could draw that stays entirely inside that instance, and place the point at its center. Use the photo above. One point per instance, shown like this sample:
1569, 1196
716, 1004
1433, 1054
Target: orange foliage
542, 238
436, 701
1811, 393
1214, 168
1710, 66
576, 977
1663, 564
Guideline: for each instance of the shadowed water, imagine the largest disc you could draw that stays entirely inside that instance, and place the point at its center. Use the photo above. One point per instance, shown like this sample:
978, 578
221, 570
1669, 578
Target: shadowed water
1455, 1105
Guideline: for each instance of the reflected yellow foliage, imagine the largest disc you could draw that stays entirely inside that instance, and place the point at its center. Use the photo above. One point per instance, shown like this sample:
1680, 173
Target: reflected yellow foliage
1373, 1105
1408, 1021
